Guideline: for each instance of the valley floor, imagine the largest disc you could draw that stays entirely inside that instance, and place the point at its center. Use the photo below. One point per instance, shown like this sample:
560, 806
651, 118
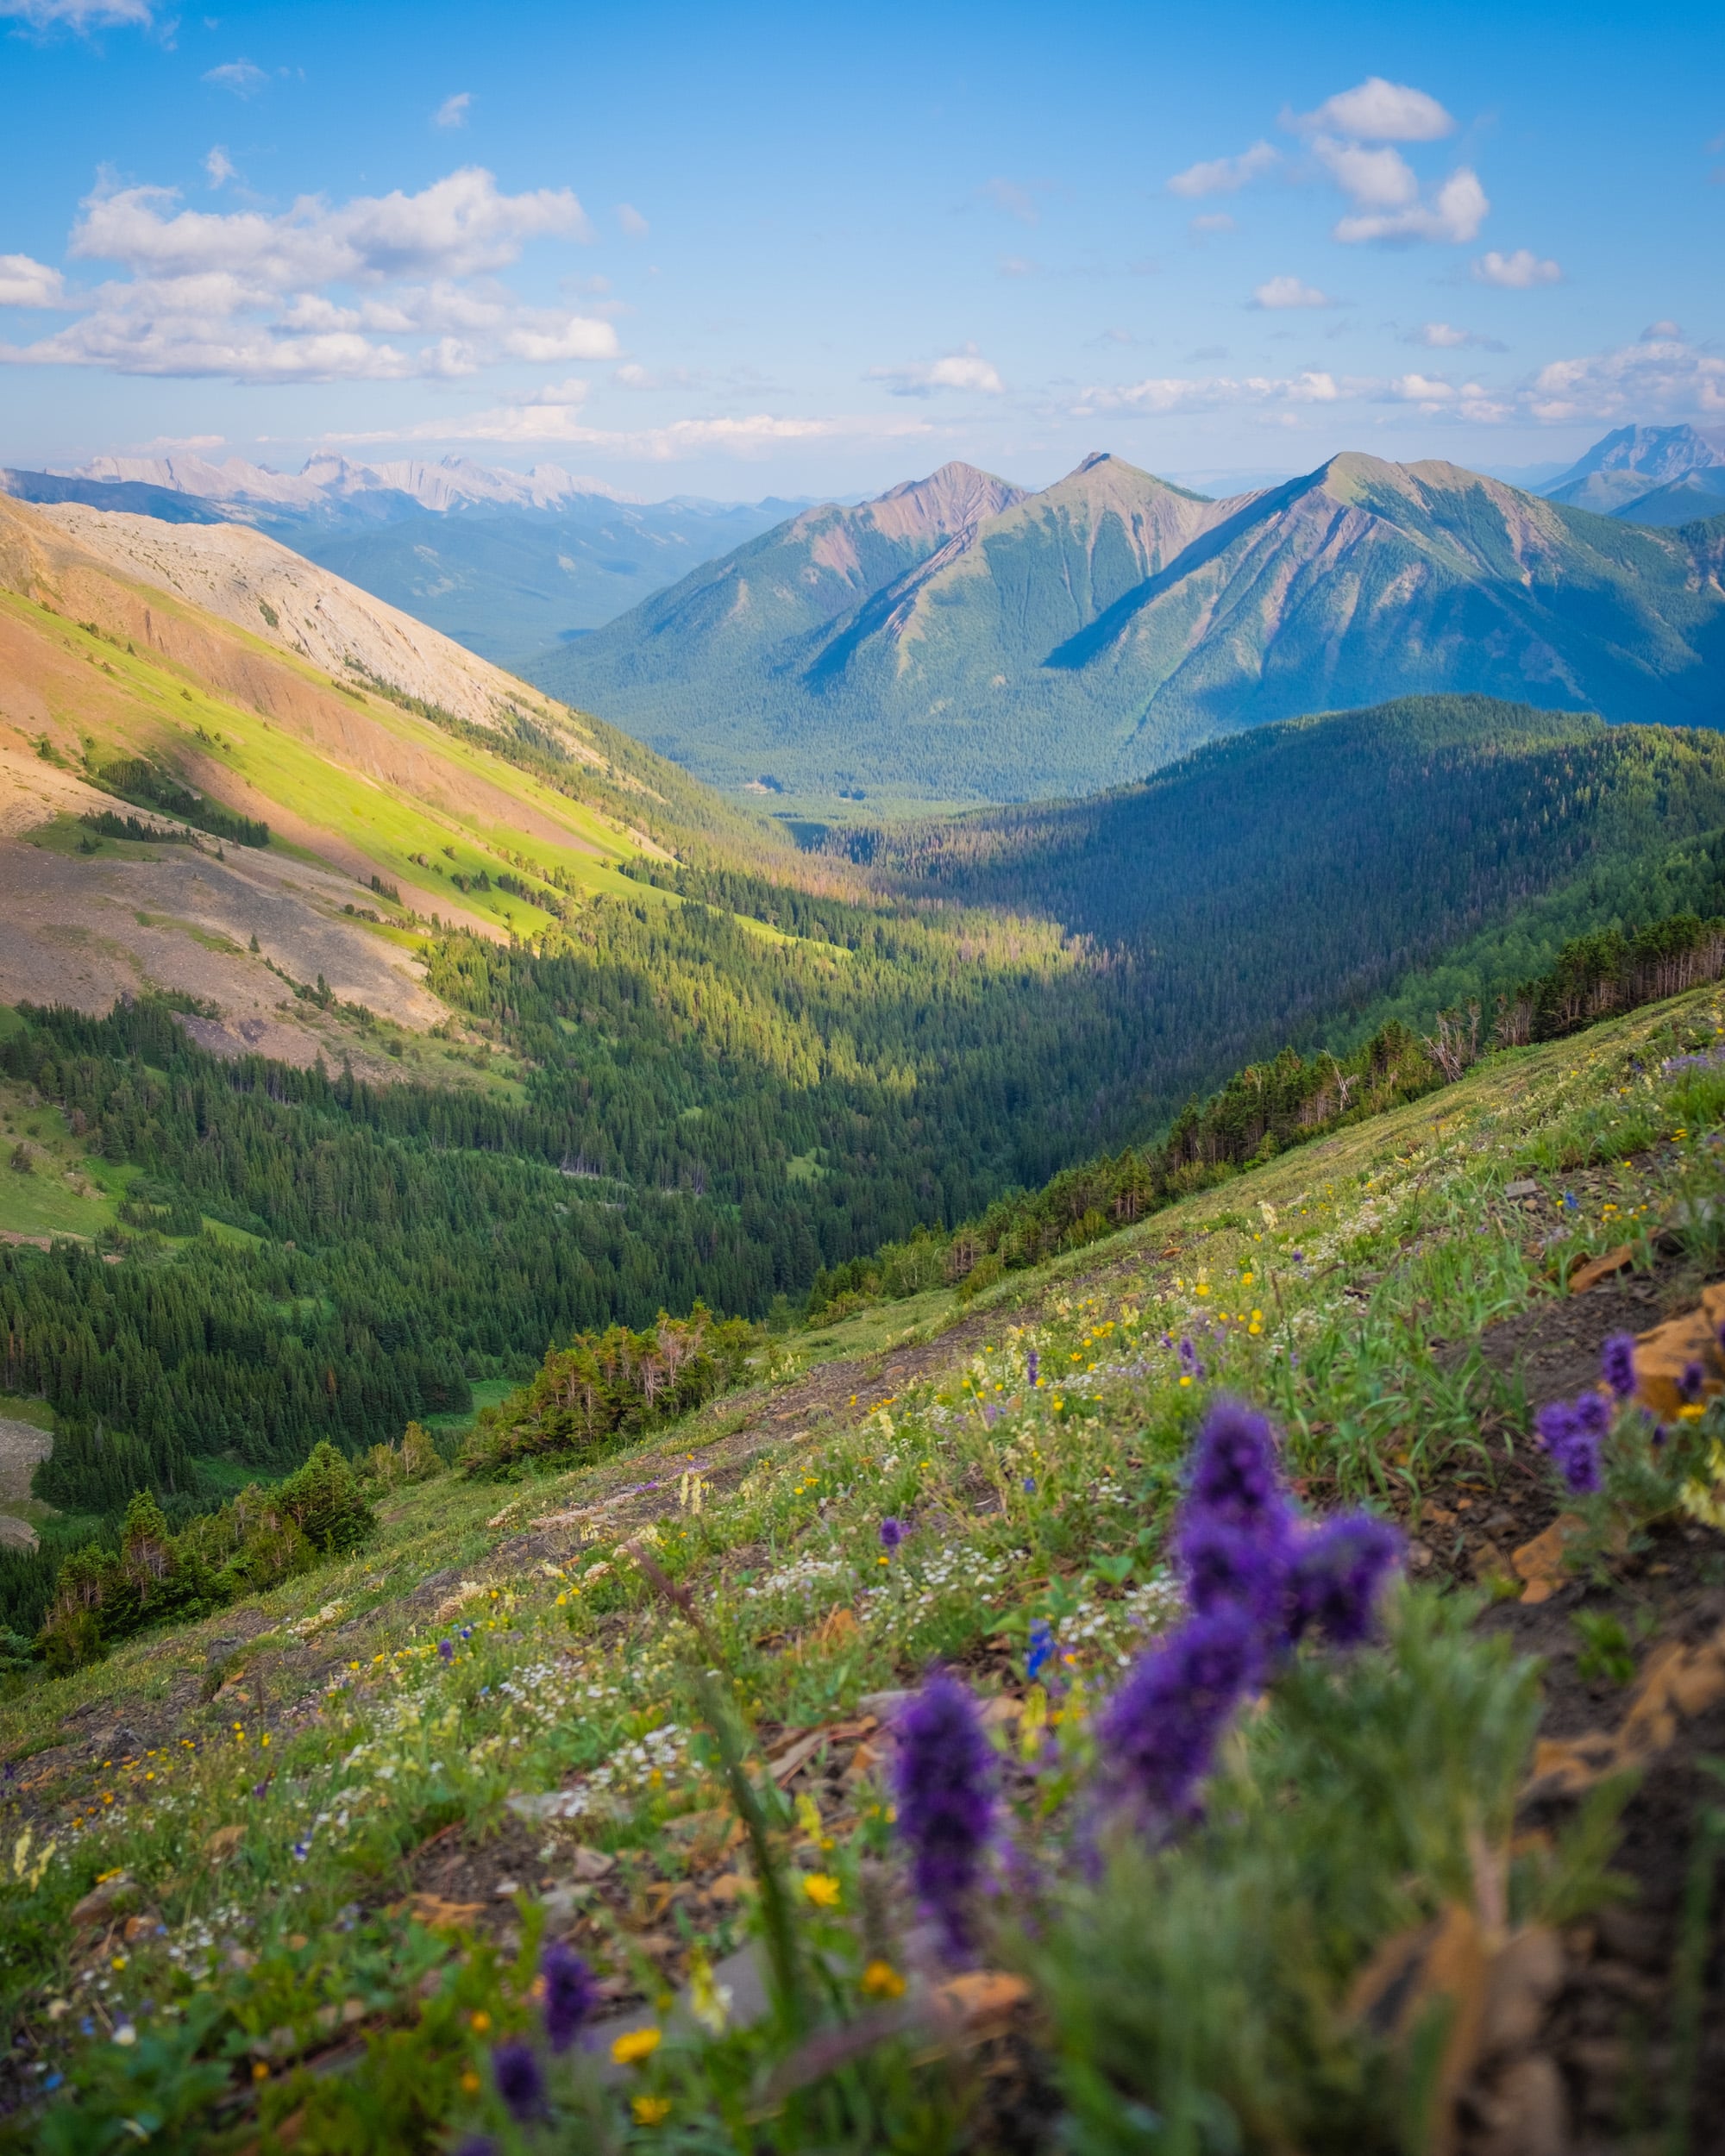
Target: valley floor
300, 1850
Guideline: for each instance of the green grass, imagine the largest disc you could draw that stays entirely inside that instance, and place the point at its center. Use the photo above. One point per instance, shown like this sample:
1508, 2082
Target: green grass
1318, 1285
487, 1391
51, 1198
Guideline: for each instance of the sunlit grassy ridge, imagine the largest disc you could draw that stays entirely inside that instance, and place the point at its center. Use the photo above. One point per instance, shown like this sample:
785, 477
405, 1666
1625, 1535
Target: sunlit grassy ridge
363, 1717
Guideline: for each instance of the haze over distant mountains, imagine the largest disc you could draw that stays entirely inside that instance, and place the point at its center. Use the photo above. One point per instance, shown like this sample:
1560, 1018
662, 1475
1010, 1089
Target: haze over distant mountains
1649, 475
961, 639
505, 562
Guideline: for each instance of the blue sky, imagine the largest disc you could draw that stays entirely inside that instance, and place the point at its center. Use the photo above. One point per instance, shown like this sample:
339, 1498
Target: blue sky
739, 251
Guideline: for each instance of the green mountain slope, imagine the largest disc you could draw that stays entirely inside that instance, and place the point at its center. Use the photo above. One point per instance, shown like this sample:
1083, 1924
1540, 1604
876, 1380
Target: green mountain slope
1091, 634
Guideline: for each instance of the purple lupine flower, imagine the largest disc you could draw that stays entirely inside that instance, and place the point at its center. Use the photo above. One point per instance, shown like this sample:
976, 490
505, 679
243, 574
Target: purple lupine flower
1592, 1414
1573, 1446
1160, 1730
1041, 1650
1235, 1568
571, 1994
1033, 1367
991, 1413
1234, 1478
1617, 1363
1338, 1574
520, 2079
446, 1649
945, 1784
1689, 1384
892, 1534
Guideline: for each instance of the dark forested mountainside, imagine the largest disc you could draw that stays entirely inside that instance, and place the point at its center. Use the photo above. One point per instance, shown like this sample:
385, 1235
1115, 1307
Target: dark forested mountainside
1090, 634
1322, 860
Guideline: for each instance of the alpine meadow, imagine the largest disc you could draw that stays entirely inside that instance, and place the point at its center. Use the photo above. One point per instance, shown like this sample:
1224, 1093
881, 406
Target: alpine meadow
861, 1083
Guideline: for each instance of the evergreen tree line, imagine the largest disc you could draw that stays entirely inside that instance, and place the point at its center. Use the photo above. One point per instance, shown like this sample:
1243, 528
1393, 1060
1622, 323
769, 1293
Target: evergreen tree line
1267, 1107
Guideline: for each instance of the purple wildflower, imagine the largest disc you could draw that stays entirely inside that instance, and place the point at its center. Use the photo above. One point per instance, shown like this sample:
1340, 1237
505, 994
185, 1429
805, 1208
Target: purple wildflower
1689, 1384
1592, 1414
1030, 1485
1234, 1479
446, 1649
1573, 1446
571, 1993
1033, 1367
1161, 1728
892, 1534
1041, 1650
1337, 1576
1617, 1363
1234, 1568
520, 2079
478, 2145
945, 1800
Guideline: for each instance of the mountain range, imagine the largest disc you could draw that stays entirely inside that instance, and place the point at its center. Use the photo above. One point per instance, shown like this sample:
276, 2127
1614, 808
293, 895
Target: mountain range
961, 639
1648, 475
506, 562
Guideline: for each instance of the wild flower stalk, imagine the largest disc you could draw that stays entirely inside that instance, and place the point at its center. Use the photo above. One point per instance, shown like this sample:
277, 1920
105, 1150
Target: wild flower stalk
1573, 1437
945, 1791
1160, 1731
1617, 1363
570, 1994
520, 2079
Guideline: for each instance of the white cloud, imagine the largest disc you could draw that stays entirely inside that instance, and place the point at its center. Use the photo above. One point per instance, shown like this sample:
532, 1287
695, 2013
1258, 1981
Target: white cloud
240, 76
1213, 221
453, 112
248, 294
1379, 112
1162, 395
1515, 272
1452, 218
78, 14
1374, 179
457, 227
579, 338
965, 370
1225, 175
218, 166
635, 226
24, 283
1666, 377
1444, 336
1288, 291
1017, 265
1660, 332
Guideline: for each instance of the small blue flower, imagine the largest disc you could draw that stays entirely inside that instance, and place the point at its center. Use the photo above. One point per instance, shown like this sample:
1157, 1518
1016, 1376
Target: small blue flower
446, 1648
1030, 1485
1041, 1651
1032, 1366
892, 1534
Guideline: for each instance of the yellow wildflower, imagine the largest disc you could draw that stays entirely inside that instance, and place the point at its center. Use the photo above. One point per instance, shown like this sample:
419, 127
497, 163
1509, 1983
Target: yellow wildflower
650, 2110
822, 1889
635, 2045
881, 1981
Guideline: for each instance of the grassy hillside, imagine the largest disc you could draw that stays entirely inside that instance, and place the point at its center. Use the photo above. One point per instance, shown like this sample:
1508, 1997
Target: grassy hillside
333, 1826
1092, 633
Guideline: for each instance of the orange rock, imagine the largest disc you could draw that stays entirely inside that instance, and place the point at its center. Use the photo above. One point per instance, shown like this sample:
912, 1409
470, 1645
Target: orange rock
1663, 1353
1599, 1268
1539, 1564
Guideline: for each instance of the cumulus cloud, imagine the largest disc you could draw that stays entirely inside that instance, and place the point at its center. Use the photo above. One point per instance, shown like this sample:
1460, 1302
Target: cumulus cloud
240, 76
1665, 376
633, 225
1379, 112
1656, 332
453, 112
1225, 175
218, 166
1161, 395
24, 283
579, 338
965, 370
1288, 291
1517, 272
249, 293
1453, 217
